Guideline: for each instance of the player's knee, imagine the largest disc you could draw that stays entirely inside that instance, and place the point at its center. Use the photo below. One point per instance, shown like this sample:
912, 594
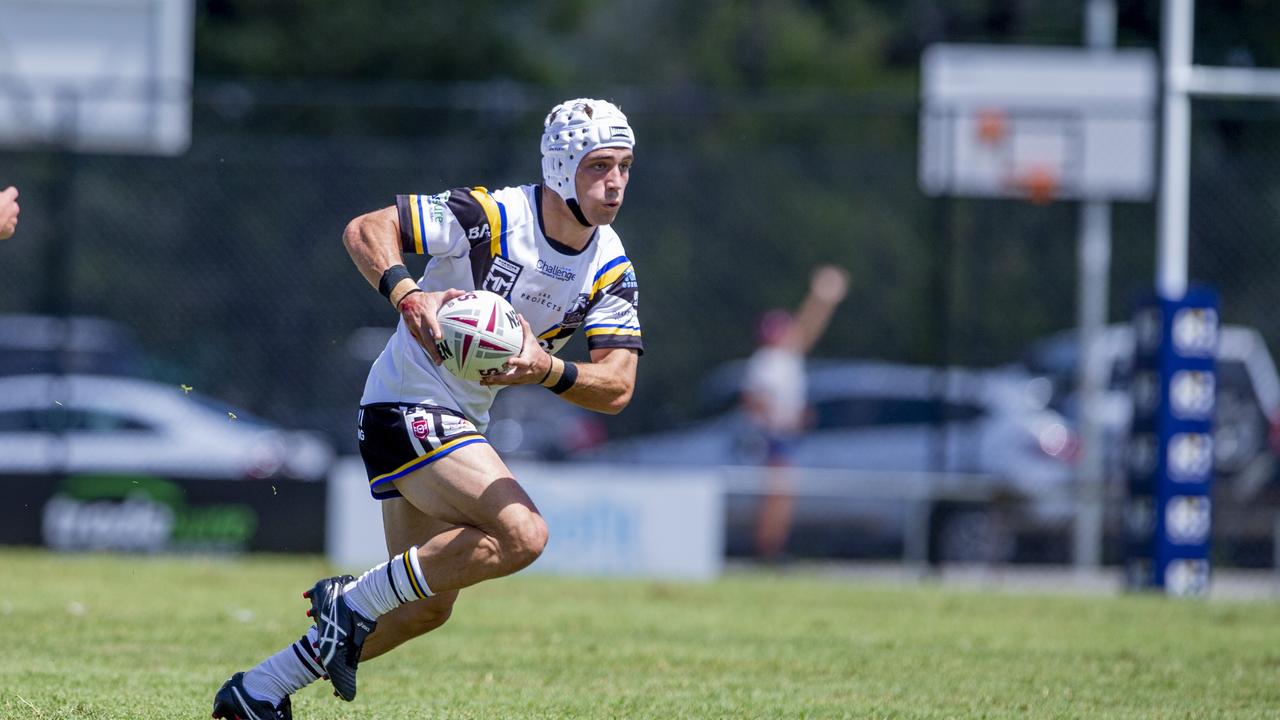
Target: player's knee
527, 536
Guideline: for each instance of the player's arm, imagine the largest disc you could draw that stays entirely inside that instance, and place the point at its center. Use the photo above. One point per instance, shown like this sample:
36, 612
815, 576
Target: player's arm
604, 385
827, 288
373, 241
8, 212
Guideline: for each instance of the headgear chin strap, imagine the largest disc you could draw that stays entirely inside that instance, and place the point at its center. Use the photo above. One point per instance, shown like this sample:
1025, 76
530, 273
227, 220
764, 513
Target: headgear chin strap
577, 212
572, 130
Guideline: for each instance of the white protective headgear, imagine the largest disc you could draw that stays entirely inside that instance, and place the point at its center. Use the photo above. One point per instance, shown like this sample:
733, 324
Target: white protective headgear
574, 128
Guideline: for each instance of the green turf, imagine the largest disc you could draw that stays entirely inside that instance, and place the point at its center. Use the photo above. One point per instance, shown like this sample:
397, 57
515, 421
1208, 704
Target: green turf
138, 637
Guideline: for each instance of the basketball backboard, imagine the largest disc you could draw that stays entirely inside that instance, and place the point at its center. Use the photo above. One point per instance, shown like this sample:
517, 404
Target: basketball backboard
96, 75
1038, 122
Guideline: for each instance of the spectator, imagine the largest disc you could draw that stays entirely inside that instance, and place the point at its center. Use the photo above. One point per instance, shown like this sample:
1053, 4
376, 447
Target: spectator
774, 397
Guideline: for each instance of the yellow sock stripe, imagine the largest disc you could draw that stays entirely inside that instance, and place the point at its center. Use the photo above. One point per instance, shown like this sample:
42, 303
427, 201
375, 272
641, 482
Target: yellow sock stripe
413, 578
415, 214
490, 207
427, 457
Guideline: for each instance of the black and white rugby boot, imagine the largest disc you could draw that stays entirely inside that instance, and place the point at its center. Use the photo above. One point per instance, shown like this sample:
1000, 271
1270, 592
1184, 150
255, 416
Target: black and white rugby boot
341, 632
233, 702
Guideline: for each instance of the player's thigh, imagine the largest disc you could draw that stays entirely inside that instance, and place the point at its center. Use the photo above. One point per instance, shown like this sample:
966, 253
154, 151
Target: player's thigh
469, 486
405, 525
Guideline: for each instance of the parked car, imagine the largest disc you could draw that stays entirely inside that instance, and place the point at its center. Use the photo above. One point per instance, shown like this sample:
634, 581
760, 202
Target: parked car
33, 344
1246, 428
995, 426
94, 423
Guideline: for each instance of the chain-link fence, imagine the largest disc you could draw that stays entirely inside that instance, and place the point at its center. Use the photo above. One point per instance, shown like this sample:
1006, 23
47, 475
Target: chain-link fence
227, 263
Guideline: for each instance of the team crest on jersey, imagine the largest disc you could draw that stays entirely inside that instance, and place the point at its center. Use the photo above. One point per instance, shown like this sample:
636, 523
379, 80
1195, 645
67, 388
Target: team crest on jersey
577, 313
502, 276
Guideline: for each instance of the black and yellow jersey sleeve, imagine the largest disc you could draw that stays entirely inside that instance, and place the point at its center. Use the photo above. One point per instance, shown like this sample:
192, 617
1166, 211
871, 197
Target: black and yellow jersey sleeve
613, 318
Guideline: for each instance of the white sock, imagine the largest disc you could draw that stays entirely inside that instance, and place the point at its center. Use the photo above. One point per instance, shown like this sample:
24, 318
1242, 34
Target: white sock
286, 672
388, 586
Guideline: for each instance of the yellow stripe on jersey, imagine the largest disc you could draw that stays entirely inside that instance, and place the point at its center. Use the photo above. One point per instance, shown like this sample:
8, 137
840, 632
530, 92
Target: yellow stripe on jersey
415, 214
490, 207
613, 331
608, 277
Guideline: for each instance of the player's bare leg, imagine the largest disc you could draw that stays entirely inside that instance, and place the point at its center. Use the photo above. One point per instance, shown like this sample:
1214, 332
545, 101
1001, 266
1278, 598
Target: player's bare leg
497, 531
405, 527
773, 524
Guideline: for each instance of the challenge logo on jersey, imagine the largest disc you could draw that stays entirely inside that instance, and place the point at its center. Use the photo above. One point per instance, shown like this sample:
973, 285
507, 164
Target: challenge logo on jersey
502, 276
557, 272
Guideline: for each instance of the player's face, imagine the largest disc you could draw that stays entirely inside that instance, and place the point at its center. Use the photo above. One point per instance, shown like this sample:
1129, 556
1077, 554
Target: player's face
602, 181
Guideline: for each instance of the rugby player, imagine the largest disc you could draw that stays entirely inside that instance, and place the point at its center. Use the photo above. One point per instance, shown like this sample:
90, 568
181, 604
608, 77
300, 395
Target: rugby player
454, 514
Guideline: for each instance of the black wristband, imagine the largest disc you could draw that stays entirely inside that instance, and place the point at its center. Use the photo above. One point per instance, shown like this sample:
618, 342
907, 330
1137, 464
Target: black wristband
567, 379
391, 278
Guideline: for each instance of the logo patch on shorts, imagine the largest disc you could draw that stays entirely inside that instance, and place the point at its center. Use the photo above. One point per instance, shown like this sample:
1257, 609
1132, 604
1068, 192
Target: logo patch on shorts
456, 425
421, 428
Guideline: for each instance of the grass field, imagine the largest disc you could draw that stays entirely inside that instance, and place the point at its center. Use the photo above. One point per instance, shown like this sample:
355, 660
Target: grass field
135, 637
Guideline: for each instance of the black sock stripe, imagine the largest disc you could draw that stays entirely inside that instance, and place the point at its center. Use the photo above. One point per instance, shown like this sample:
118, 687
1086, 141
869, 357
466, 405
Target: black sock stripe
310, 651
303, 659
391, 579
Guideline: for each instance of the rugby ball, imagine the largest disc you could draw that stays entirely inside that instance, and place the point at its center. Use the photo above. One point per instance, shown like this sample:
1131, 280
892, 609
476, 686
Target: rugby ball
479, 332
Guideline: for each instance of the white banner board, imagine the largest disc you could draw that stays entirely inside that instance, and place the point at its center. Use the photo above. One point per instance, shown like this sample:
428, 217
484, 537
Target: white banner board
603, 520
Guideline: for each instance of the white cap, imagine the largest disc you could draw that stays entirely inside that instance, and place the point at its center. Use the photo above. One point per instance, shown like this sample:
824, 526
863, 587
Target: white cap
574, 128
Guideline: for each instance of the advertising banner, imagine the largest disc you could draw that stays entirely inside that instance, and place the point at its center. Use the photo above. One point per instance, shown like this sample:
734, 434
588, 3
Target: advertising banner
602, 520
145, 513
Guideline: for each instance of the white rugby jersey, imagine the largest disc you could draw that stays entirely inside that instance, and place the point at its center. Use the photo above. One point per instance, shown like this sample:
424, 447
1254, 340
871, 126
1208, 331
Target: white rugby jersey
495, 241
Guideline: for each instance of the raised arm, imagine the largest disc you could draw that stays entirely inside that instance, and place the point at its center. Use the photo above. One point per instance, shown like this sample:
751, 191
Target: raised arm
827, 287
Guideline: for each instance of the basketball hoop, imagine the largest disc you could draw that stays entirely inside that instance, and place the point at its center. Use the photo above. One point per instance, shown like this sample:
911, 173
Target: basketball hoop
992, 126
1037, 123
1038, 183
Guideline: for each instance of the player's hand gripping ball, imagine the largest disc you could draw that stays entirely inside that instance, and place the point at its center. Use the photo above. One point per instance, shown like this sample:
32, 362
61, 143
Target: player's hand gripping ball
479, 332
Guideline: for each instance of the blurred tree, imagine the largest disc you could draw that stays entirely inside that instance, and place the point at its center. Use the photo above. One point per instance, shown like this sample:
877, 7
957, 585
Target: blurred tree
774, 134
